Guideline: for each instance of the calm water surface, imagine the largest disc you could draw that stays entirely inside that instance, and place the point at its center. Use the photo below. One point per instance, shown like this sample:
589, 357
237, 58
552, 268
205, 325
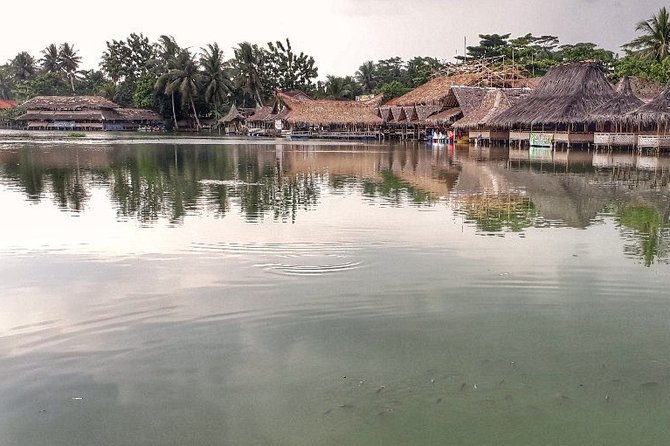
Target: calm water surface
229, 293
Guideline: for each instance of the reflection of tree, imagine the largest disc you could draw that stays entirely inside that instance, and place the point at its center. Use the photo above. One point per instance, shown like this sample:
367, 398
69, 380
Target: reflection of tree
395, 189
646, 230
68, 185
498, 213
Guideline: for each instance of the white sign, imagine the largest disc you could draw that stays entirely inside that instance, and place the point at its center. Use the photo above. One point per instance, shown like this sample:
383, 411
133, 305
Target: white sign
278, 125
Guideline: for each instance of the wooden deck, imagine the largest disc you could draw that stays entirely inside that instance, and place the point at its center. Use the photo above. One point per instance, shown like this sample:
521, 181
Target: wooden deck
653, 141
615, 139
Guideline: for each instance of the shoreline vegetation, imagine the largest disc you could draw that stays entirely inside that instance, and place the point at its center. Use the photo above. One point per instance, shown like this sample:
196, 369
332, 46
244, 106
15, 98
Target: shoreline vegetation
186, 86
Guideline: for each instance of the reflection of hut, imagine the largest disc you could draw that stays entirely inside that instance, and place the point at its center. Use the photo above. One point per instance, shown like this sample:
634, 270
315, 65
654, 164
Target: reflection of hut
653, 117
233, 121
332, 119
84, 113
560, 108
609, 117
495, 101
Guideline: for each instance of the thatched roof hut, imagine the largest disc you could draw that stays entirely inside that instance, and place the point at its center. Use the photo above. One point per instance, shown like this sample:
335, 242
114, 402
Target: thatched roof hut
136, 115
567, 94
232, 116
261, 114
621, 104
69, 103
494, 102
655, 113
469, 98
327, 112
445, 117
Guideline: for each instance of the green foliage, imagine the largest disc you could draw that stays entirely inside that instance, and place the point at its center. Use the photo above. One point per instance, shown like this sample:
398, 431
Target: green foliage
587, 51
490, 45
286, 70
391, 90
635, 65
337, 87
654, 43
143, 96
128, 59
44, 84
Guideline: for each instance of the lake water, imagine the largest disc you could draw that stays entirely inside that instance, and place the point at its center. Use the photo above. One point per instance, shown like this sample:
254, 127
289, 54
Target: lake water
222, 292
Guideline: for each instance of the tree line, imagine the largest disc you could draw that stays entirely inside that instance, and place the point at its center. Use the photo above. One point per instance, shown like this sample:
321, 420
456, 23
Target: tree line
183, 83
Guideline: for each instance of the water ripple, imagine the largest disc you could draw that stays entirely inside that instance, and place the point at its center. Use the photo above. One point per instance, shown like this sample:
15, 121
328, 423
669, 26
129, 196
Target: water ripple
309, 270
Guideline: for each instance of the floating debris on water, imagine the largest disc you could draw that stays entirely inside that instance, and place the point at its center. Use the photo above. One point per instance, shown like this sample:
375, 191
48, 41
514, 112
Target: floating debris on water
463, 386
328, 411
439, 400
380, 389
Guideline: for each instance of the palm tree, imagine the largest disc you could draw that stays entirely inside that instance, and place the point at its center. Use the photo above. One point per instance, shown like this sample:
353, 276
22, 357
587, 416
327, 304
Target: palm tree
69, 61
216, 82
247, 64
338, 87
50, 60
167, 50
366, 76
23, 66
182, 78
655, 39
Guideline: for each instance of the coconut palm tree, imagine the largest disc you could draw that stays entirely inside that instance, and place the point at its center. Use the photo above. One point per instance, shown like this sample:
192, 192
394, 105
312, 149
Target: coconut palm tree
23, 66
183, 78
50, 60
248, 61
69, 61
655, 39
216, 82
167, 50
366, 76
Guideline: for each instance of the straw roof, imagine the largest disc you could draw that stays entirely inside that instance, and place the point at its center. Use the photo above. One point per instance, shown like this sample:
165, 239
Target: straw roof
425, 111
445, 117
469, 98
437, 90
645, 89
261, 114
232, 115
622, 103
118, 114
136, 114
495, 102
68, 103
567, 94
325, 112
655, 112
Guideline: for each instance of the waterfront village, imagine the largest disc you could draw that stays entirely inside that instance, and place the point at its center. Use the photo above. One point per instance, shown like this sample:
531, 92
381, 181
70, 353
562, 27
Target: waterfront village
576, 100
572, 105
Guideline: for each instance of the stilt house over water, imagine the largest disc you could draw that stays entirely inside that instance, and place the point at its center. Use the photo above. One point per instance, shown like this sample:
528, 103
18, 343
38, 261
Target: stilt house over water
331, 118
83, 113
478, 121
232, 122
652, 121
610, 118
559, 109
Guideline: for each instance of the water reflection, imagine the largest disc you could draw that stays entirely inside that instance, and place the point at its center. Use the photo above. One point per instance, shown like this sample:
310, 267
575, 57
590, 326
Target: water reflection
496, 189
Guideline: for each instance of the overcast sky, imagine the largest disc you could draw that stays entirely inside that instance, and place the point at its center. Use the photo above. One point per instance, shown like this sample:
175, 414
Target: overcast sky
340, 35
